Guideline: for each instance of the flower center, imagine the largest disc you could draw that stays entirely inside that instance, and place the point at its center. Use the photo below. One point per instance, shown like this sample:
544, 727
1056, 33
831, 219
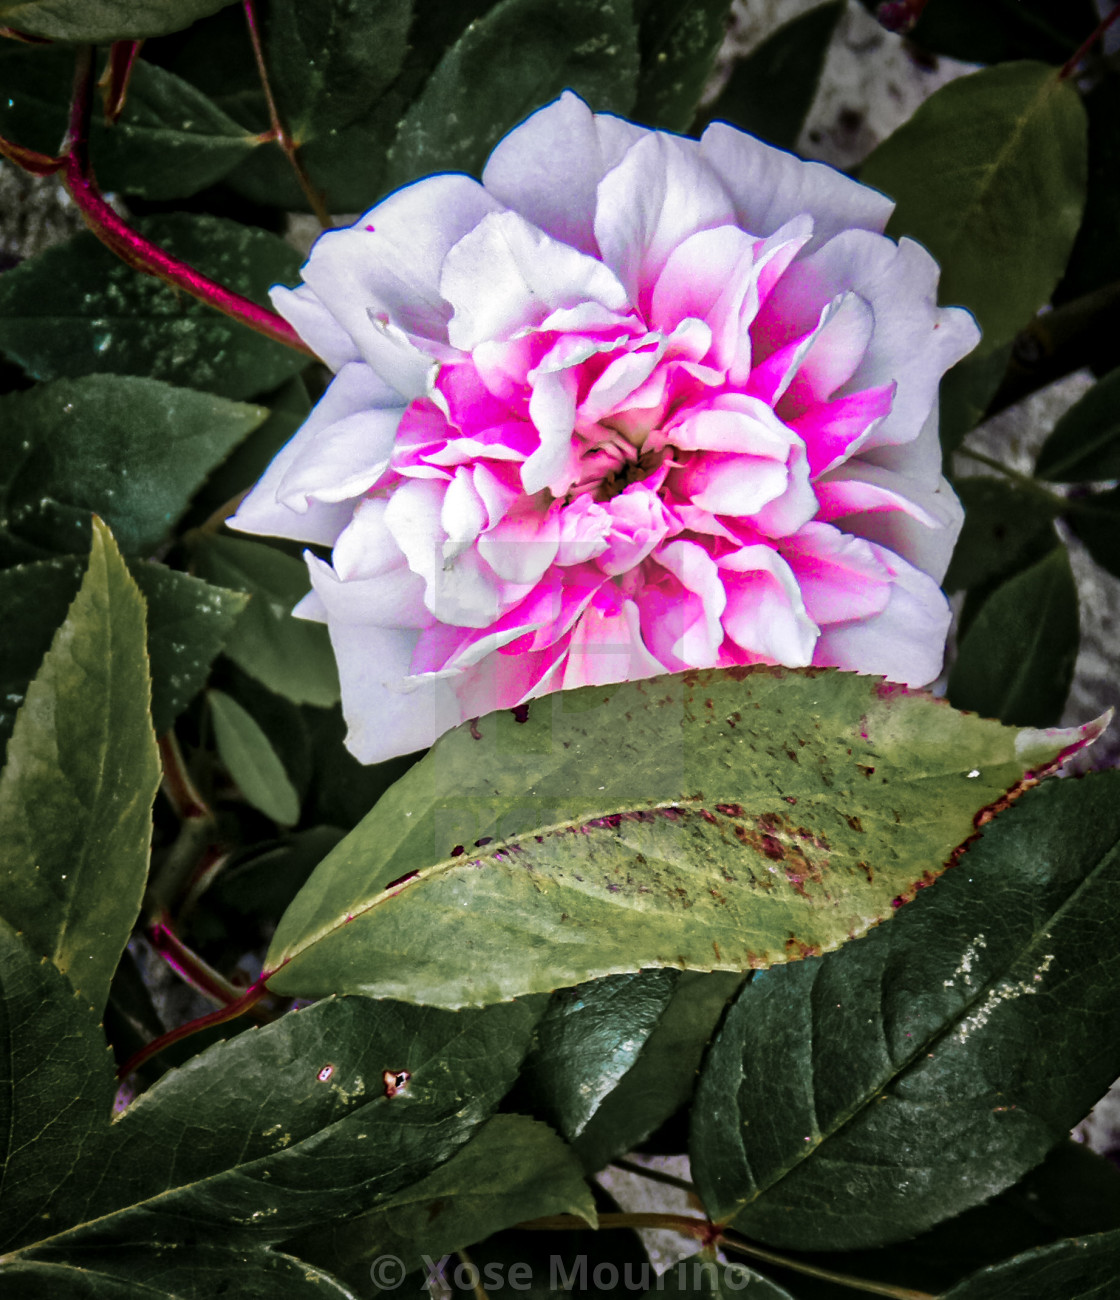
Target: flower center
629, 472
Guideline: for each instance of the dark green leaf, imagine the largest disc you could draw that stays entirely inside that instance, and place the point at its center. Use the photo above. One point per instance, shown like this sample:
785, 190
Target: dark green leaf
587, 1039
967, 391
1095, 260
103, 20
131, 450
863, 1097
1016, 660
260, 886
516, 59
989, 174
514, 1169
999, 30
290, 656
299, 1125
1084, 1268
56, 1086
710, 820
1006, 527
76, 793
76, 309
1096, 520
663, 1077
159, 1271
251, 761
188, 622
1085, 443
329, 62
771, 91
678, 43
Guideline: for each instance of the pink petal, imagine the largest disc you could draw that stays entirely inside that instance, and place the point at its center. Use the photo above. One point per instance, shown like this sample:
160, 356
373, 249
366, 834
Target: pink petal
833, 431
695, 630
765, 613
522, 546
606, 646
840, 577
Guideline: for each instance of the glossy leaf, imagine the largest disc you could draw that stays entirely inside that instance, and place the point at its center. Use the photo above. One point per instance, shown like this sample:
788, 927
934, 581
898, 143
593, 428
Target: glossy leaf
713, 821
924, 1069
251, 761
103, 20
588, 1039
329, 62
56, 1085
1095, 260
299, 1127
1084, 1268
989, 174
289, 655
516, 59
1085, 443
1006, 528
770, 92
132, 450
1096, 520
514, 1169
678, 44
1015, 662
159, 1271
188, 622
663, 1077
76, 309
76, 792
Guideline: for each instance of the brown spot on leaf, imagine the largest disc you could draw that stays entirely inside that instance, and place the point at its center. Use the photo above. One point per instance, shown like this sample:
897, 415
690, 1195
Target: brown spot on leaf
475, 733
855, 823
395, 1082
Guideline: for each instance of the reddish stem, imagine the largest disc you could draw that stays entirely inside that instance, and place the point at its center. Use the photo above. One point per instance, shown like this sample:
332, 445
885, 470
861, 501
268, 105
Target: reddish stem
118, 73
251, 997
30, 160
1074, 61
138, 252
188, 965
900, 16
14, 35
279, 131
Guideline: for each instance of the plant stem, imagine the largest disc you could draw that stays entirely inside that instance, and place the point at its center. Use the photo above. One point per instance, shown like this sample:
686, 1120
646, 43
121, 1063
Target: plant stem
1074, 61
131, 247
280, 132
478, 1289
824, 1274
198, 853
118, 73
188, 965
654, 1175
690, 1224
1056, 503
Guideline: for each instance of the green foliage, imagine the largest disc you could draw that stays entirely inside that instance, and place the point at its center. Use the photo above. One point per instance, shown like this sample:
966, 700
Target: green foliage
252, 762
989, 174
77, 788
829, 1081
103, 20
770, 92
678, 44
713, 821
1085, 443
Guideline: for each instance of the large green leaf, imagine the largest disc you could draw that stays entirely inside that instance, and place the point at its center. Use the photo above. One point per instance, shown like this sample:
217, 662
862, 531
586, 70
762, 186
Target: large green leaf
327, 1111
76, 309
588, 1039
132, 450
1083, 1268
1095, 260
56, 1086
329, 62
966, 392
160, 1271
188, 622
104, 20
1015, 662
514, 1169
1085, 443
989, 174
251, 761
1096, 520
924, 1069
1002, 29
81, 775
678, 43
770, 92
289, 655
711, 820
1007, 527
517, 58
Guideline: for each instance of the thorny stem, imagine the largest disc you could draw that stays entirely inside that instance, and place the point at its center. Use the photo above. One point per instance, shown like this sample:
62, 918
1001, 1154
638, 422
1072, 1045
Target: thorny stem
279, 131
654, 1175
131, 247
1074, 61
248, 999
711, 1234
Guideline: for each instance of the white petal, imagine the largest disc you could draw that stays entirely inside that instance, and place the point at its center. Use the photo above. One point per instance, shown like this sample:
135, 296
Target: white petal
393, 597
522, 546
548, 168
305, 313
552, 408
765, 613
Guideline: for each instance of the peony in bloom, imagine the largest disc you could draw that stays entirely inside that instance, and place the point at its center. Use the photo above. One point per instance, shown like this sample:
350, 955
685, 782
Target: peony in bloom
633, 404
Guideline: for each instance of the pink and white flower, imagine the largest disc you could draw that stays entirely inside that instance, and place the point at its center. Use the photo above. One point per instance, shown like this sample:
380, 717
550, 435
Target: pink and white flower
633, 404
